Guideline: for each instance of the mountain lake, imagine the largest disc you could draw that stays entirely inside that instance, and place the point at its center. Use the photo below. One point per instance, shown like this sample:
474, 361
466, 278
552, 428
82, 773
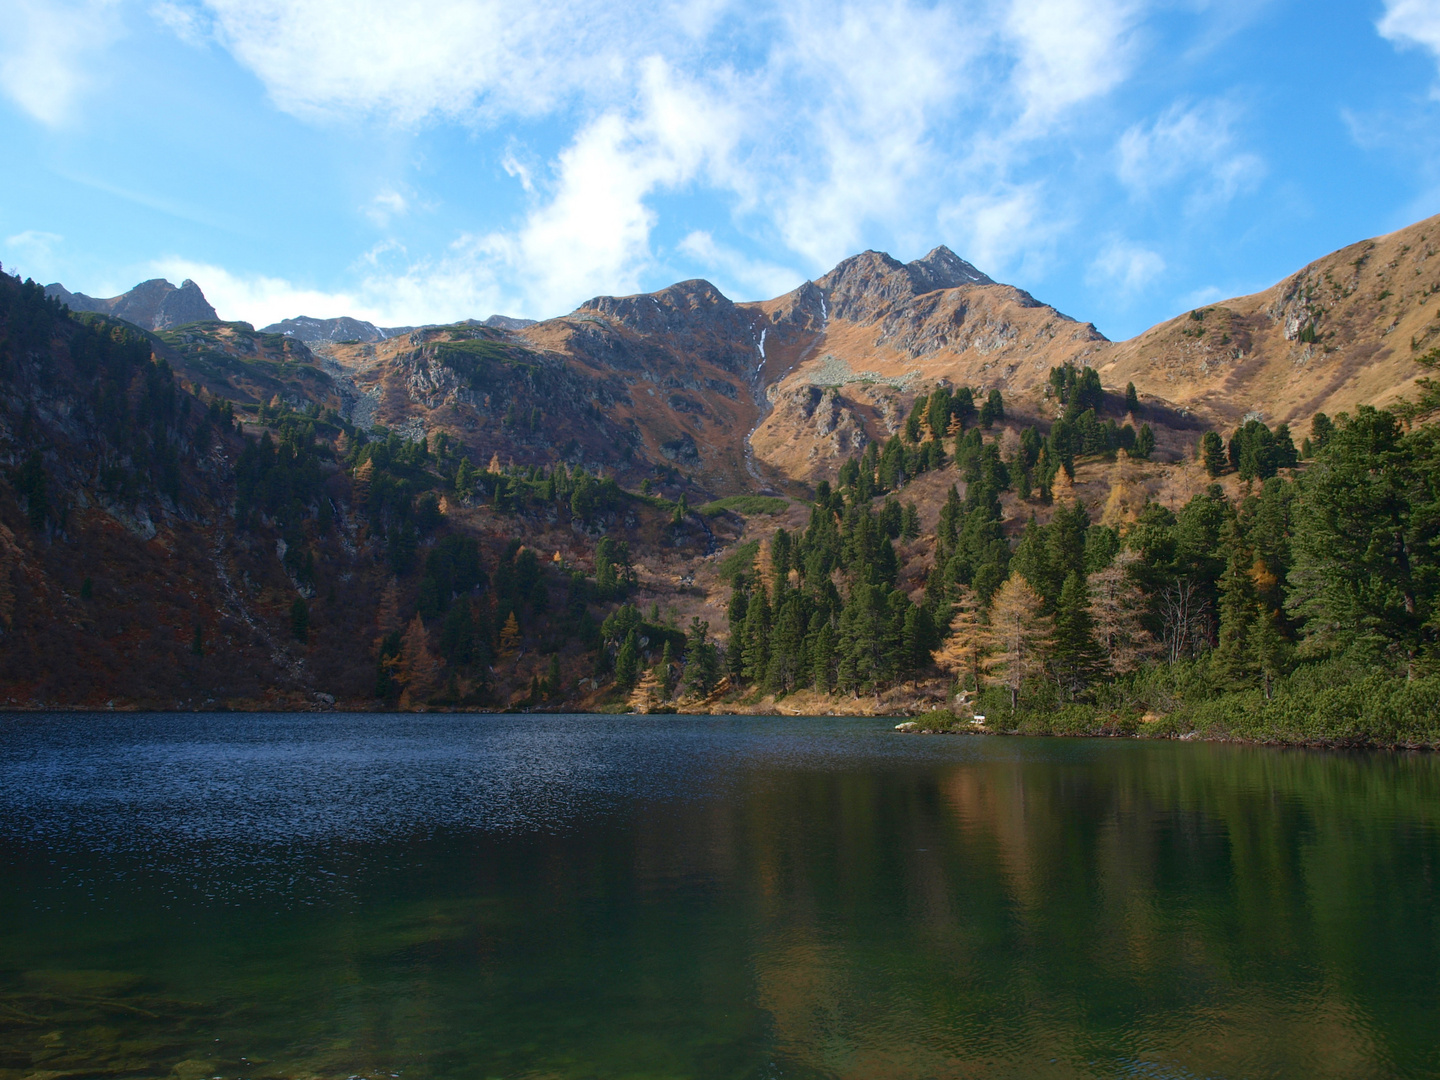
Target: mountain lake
427, 897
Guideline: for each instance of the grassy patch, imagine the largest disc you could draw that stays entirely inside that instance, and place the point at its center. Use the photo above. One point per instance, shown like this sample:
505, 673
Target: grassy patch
745, 504
739, 561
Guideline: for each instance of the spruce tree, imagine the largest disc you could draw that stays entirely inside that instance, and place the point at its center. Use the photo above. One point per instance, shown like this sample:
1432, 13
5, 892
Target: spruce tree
756, 661
701, 663
627, 662
1233, 662
822, 659
1076, 656
1271, 649
1212, 453
993, 411
910, 522
1144, 443
1132, 400
737, 611
667, 671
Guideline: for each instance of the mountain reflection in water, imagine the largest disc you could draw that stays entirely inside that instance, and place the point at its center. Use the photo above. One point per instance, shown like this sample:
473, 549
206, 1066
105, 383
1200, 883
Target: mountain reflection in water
432, 896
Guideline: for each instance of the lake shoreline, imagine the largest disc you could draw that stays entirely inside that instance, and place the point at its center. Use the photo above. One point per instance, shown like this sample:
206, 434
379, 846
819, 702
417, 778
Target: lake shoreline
1160, 729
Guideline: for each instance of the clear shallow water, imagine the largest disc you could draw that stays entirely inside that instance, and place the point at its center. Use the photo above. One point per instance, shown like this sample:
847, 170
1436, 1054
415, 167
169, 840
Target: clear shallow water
246, 896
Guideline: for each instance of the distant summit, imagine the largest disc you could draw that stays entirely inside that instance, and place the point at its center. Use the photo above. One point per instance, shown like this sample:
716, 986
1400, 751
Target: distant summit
153, 304
311, 330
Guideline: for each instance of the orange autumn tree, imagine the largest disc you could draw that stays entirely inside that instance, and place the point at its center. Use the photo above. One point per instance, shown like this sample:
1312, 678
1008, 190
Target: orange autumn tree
421, 670
1018, 635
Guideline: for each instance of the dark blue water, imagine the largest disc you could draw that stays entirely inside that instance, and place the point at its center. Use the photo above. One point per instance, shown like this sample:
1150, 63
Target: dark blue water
245, 896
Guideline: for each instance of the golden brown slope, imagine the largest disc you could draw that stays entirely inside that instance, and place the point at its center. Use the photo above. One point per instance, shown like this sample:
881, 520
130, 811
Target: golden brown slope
1343, 331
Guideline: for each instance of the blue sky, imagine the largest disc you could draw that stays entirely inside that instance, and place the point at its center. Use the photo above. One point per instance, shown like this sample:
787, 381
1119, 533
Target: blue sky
427, 160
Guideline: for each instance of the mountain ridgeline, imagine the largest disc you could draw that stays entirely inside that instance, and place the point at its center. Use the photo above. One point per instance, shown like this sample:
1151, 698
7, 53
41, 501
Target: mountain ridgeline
902, 487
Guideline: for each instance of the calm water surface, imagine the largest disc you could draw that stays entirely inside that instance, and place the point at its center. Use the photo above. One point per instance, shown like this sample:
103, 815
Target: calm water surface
429, 897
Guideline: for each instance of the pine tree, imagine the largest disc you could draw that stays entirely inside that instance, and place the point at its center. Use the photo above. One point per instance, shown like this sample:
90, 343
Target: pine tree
1017, 635
1212, 453
1144, 443
702, 665
1076, 657
787, 646
627, 662
910, 522
993, 411
667, 671
552, 677
1132, 400
1233, 662
736, 611
465, 479
756, 659
822, 659
1271, 649
197, 642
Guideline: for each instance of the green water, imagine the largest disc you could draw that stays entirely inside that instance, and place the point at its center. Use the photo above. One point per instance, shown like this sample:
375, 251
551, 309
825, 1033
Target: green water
248, 897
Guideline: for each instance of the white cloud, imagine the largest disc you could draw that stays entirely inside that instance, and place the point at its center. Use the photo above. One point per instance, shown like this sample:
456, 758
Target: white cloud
409, 59
262, 300
1192, 144
1070, 50
36, 250
1002, 231
387, 204
739, 277
1413, 22
1125, 265
1206, 294
47, 52
821, 118
187, 23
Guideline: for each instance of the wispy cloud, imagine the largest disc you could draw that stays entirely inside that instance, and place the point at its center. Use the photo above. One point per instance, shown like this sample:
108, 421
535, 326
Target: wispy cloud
1128, 266
1070, 50
35, 250
1413, 23
742, 278
47, 52
387, 204
1193, 145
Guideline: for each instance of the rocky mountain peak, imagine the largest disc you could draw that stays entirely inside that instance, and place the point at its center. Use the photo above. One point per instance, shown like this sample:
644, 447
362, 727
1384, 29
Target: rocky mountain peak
155, 304
864, 287
943, 269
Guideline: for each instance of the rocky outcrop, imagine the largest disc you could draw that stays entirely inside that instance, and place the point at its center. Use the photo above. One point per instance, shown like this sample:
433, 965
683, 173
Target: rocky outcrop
154, 305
